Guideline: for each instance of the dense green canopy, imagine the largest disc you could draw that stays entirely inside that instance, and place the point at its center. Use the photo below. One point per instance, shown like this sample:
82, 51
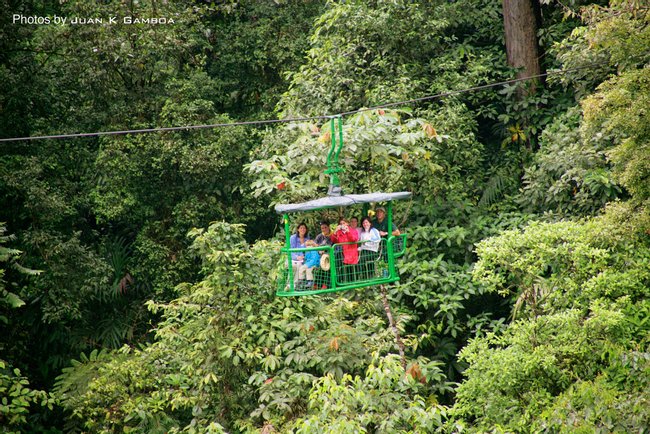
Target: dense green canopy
138, 272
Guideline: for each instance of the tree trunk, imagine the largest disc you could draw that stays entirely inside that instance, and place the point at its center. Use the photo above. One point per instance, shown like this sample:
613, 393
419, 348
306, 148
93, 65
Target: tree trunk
521, 19
393, 326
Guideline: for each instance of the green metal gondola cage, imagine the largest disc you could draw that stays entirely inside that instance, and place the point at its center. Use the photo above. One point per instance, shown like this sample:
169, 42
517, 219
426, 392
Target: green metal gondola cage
335, 276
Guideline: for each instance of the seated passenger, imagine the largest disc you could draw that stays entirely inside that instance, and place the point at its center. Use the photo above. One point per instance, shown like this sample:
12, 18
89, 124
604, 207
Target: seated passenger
306, 270
354, 224
344, 234
296, 241
371, 239
370, 236
323, 239
347, 269
381, 223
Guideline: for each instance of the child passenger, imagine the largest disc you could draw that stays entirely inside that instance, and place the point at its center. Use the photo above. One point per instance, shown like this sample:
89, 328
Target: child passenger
306, 270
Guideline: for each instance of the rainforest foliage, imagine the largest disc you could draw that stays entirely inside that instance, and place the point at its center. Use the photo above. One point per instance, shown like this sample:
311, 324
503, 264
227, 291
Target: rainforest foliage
138, 271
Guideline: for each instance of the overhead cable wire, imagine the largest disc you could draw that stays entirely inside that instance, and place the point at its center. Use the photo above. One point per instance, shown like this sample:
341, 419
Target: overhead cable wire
163, 129
460, 91
297, 119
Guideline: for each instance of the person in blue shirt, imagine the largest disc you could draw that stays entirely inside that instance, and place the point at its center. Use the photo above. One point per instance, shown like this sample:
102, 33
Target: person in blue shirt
306, 270
298, 240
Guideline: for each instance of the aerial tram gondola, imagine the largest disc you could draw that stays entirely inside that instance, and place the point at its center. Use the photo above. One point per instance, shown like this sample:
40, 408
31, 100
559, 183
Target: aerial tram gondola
332, 275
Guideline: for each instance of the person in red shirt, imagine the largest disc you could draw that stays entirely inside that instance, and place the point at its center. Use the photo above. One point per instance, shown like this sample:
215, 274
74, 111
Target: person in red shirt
345, 234
346, 269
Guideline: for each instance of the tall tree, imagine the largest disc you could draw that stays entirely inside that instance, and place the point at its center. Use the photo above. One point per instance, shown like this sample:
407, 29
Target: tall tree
521, 19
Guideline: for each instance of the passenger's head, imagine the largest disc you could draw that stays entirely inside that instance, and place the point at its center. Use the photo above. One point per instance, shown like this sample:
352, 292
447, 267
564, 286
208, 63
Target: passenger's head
302, 229
354, 222
381, 213
325, 227
366, 224
311, 243
343, 224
